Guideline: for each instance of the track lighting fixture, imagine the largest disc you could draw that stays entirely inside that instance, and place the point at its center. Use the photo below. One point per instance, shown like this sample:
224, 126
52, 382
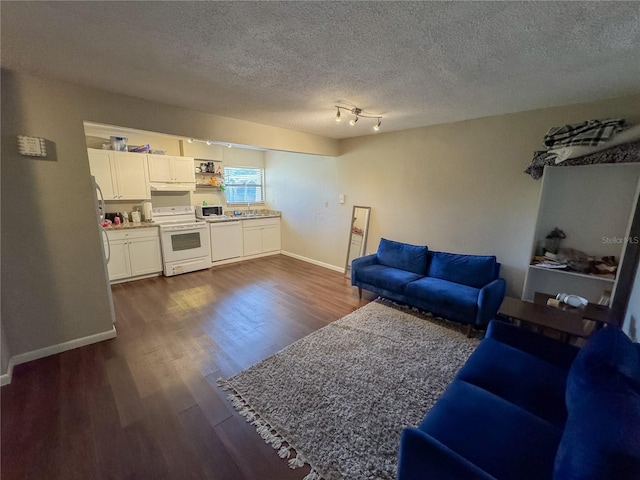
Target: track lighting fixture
357, 113
208, 142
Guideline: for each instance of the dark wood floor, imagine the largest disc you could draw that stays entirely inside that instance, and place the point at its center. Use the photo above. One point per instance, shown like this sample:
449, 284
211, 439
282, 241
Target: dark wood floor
146, 405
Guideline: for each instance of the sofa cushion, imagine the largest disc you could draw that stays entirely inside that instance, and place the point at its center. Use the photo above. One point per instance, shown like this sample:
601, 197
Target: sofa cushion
444, 296
412, 258
520, 378
471, 270
602, 438
385, 277
502, 439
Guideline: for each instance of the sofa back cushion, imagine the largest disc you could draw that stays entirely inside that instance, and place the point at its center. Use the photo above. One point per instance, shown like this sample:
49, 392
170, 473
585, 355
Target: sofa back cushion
602, 437
412, 258
471, 270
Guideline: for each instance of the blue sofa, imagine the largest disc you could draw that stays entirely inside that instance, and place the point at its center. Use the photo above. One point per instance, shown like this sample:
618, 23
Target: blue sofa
463, 288
525, 406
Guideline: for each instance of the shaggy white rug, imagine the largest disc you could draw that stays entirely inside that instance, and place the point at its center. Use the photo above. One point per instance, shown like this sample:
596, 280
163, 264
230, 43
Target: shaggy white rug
341, 396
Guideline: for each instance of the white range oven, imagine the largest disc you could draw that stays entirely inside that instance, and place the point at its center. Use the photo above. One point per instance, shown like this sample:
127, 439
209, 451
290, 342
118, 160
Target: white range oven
184, 239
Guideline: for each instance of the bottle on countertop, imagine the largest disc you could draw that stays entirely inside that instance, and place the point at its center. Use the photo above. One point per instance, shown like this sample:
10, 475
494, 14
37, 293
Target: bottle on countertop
125, 218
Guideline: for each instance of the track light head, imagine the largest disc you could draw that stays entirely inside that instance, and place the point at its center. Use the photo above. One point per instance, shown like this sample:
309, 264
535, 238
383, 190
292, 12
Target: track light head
209, 142
190, 140
357, 113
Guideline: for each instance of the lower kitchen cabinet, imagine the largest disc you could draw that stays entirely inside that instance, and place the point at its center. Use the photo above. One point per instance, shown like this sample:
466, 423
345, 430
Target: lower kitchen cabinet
261, 236
134, 253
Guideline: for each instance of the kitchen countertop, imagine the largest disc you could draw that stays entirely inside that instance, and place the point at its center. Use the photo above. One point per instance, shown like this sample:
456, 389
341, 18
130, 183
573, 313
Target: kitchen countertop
130, 226
239, 217
228, 217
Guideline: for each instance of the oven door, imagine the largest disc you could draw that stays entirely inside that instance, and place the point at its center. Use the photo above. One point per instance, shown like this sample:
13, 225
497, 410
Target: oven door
185, 241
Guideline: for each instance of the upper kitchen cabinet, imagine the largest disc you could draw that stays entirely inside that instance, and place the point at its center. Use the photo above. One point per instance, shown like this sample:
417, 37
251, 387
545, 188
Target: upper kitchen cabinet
120, 175
171, 169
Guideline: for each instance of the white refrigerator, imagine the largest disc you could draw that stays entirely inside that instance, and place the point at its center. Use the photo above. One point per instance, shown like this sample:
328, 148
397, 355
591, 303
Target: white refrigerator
104, 241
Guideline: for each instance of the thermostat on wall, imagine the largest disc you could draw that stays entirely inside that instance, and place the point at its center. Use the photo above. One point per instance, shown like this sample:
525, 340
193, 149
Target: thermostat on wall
32, 146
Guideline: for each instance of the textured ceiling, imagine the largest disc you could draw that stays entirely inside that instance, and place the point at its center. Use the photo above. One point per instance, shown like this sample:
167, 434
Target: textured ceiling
288, 63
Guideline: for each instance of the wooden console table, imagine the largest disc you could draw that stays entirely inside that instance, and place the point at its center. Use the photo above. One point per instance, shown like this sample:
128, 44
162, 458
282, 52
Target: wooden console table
568, 321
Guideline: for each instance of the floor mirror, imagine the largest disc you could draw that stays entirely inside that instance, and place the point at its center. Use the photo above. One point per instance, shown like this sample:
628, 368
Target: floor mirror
357, 236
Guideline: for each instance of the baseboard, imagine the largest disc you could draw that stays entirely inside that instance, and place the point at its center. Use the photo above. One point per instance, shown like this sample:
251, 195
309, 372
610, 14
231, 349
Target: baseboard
53, 349
315, 262
5, 378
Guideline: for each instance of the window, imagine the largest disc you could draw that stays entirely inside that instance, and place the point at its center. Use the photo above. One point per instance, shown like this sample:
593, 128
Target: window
244, 184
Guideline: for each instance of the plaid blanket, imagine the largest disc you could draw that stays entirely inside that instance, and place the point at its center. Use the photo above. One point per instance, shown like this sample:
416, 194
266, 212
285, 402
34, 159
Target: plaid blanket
591, 132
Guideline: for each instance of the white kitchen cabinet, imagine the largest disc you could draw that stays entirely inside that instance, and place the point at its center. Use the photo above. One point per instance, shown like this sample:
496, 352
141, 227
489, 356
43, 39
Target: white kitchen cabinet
100, 166
226, 240
171, 169
120, 175
252, 240
134, 253
261, 236
271, 237
119, 265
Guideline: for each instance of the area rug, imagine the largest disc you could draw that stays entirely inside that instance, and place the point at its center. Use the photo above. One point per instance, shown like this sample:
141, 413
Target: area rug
339, 398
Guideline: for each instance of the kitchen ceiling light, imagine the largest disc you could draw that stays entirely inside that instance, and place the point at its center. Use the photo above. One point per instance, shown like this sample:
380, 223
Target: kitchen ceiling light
357, 113
190, 140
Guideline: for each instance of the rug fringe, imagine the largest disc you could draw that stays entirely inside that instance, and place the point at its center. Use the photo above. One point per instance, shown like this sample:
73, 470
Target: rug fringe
313, 475
269, 434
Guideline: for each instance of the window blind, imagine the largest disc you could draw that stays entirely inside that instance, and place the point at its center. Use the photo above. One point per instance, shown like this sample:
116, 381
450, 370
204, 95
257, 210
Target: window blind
244, 185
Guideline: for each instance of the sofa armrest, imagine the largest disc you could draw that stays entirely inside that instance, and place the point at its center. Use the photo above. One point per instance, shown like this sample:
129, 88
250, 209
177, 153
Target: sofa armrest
423, 457
360, 262
546, 348
489, 301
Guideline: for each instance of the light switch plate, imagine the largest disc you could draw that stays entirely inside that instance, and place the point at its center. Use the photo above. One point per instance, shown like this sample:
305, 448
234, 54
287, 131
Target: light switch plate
341, 198
32, 146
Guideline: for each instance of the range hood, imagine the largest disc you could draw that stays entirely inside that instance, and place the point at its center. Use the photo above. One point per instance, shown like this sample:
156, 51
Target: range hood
172, 187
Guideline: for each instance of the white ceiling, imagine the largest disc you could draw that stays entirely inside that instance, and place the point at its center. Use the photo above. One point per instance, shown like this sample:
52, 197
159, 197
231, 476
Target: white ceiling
288, 63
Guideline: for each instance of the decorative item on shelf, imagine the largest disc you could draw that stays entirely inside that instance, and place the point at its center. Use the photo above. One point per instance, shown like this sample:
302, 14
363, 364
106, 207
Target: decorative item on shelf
216, 182
119, 144
140, 148
552, 241
357, 114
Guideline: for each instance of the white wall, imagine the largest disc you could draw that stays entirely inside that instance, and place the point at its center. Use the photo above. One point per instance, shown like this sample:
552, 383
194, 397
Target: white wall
589, 203
305, 188
455, 187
